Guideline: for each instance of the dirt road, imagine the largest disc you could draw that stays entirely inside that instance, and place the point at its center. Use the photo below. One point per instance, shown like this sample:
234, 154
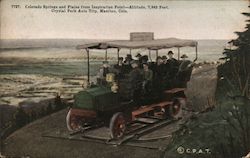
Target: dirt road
28, 141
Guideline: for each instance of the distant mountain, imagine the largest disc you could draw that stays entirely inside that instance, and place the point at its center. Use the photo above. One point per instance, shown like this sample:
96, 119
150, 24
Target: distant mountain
42, 43
64, 43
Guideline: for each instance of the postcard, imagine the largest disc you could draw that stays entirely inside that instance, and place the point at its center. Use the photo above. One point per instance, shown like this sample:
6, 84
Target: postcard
124, 79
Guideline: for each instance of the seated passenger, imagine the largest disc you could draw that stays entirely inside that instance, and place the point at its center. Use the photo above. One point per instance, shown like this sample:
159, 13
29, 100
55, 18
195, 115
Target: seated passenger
166, 73
166, 65
164, 59
128, 59
184, 71
127, 63
120, 68
144, 59
173, 65
159, 75
135, 78
171, 60
139, 59
138, 56
159, 69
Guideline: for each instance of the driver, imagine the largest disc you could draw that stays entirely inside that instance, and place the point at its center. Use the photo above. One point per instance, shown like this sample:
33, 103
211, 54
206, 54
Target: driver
104, 70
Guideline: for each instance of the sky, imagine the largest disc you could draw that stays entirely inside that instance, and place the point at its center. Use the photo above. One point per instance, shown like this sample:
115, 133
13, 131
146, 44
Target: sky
189, 19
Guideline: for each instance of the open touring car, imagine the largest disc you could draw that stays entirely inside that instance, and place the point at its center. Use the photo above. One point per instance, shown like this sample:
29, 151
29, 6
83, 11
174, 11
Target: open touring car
112, 104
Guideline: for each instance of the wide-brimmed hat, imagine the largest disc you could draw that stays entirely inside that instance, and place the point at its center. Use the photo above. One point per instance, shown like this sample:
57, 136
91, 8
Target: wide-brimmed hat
170, 52
120, 58
138, 55
159, 57
164, 57
184, 56
105, 62
129, 56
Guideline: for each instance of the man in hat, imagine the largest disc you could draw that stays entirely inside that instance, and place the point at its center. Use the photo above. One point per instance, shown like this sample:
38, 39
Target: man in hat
185, 63
128, 59
138, 56
171, 60
158, 74
184, 71
165, 63
135, 78
139, 59
127, 63
166, 70
173, 66
159, 68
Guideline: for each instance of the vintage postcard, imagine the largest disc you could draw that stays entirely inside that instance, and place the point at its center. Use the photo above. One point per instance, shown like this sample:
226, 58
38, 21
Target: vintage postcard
125, 79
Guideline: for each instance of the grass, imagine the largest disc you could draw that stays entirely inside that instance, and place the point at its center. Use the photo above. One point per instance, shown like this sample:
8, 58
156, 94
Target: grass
225, 131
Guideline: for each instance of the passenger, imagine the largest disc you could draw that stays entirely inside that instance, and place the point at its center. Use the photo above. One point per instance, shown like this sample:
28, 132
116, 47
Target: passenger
166, 65
104, 70
185, 63
173, 66
127, 63
147, 78
159, 68
158, 75
172, 61
144, 59
128, 59
138, 56
164, 59
135, 78
120, 68
184, 71
139, 59
166, 72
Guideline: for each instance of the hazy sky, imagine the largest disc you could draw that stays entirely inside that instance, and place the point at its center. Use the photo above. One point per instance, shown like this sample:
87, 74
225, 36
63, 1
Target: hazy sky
184, 19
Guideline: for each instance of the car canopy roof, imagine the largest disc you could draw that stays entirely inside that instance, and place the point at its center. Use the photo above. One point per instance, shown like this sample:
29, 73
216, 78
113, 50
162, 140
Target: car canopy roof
147, 44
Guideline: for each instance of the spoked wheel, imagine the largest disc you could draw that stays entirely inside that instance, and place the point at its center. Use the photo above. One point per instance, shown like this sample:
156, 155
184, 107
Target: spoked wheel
117, 125
175, 110
73, 123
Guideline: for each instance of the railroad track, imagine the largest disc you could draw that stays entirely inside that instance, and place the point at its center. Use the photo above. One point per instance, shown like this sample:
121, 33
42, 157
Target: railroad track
135, 130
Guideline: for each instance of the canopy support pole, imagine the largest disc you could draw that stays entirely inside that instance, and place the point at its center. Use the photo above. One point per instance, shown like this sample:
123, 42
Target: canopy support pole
178, 53
87, 50
106, 54
196, 53
130, 51
149, 55
118, 55
156, 53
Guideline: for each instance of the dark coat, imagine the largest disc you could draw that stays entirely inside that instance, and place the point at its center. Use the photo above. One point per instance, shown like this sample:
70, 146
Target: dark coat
120, 70
136, 78
173, 67
159, 72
